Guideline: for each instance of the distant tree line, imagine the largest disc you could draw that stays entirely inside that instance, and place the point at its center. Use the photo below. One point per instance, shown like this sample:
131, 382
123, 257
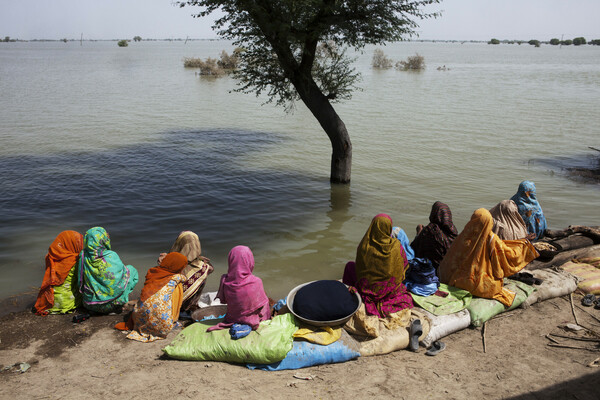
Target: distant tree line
578, 41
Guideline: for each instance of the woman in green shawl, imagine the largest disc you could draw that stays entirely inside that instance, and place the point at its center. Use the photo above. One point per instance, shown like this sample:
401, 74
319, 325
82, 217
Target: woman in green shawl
104, 281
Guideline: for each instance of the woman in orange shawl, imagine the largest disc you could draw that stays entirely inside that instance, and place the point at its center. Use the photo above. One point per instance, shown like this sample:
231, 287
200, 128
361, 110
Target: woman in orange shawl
58, 294
379, 270
478, 260
157, 310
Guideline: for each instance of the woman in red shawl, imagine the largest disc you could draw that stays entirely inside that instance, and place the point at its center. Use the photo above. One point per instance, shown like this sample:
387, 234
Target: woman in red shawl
380, 266
244, 294
57, 294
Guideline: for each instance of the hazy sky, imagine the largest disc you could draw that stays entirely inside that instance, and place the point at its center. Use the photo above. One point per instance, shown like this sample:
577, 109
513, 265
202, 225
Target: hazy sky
461, 19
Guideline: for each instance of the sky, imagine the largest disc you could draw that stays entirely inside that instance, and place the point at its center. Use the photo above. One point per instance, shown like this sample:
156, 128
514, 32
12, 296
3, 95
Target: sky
160, 19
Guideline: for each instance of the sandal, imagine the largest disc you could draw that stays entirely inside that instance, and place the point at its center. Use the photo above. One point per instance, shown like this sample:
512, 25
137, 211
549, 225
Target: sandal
588, 300
416, 330
435, 348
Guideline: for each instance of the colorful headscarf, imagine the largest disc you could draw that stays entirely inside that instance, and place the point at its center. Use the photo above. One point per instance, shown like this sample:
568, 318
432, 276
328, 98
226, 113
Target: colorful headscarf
530, 208
508, 224
102, 275
478, 260
159, 276
435, 239
61, 258
198, 268
244, 294
379, 256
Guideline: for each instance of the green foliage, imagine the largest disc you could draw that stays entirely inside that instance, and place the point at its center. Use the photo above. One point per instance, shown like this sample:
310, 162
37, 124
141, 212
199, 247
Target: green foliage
595, 42
579, 41
380, 60
122, 43
567, 42
494, 41
554, 41
281, 40
534, 42
413, 63
137, 38
64, 40
7, 39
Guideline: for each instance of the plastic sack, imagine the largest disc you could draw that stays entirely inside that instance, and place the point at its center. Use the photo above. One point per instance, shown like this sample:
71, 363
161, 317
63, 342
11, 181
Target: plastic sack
587, 271
481, 310
269, 343
555, 284
306, 354
444, 325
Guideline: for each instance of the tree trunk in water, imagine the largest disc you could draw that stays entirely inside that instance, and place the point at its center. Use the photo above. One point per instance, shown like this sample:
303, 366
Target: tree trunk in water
334, 127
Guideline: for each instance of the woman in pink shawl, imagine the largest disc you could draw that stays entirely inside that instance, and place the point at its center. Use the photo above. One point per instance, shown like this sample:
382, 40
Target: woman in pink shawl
244, 294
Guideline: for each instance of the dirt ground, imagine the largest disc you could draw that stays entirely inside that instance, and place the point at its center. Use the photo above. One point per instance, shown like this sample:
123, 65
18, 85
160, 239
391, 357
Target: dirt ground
92, 360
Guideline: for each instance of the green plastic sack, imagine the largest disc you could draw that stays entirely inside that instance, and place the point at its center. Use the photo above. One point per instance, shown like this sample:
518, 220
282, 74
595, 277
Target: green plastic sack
482, 310
457, 300
268, 344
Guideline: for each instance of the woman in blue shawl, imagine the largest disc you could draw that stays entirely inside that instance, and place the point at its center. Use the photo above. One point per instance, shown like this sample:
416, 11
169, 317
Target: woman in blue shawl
104, 281
529, 209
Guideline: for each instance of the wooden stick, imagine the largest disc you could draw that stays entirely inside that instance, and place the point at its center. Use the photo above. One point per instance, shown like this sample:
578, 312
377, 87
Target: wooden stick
483, 335
589, 313
583, 339
573, 308
593, 148
571, 347
549, 338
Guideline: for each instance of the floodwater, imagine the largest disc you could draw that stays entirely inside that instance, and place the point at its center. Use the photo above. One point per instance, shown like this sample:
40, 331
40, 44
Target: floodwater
128, 139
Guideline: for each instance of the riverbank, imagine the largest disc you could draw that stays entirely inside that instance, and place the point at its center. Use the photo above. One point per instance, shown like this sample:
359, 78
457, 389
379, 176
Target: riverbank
90, 358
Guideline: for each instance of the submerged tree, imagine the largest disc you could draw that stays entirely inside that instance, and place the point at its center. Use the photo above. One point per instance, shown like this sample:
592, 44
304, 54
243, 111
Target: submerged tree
282, 41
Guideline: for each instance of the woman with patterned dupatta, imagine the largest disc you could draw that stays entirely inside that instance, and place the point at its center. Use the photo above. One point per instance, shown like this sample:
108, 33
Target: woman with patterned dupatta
379, 270
196, 271
434, 240
104, 281
157, 310
530, 208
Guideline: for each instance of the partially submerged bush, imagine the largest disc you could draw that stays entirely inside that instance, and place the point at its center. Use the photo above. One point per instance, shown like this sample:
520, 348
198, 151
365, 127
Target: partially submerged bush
122, 43
380, 60
229, 62
416, 62
212, 66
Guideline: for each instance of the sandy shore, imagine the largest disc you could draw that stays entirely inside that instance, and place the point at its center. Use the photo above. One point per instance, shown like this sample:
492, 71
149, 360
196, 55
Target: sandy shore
92, 360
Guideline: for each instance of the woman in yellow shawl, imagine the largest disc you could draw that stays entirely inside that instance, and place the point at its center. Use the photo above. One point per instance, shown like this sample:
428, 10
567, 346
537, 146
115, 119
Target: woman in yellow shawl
379, 270
478, 260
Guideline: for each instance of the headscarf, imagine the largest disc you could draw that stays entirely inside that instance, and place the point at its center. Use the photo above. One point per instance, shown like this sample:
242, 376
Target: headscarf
530, 208
244, 294
478, 260
102, 275
159, 276
188, 244
62, 256
399, 234
379, 256
508, 224
198, 268
435, 239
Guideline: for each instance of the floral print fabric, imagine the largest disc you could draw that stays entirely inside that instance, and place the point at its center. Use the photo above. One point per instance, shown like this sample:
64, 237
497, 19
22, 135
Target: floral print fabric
153, 318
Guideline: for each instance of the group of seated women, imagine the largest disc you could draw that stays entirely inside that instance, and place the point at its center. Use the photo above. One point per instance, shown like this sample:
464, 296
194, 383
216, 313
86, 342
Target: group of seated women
493, 245
84, 271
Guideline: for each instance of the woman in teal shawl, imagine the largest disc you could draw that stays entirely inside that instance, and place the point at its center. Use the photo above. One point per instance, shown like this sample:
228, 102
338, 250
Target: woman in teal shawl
104, 281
